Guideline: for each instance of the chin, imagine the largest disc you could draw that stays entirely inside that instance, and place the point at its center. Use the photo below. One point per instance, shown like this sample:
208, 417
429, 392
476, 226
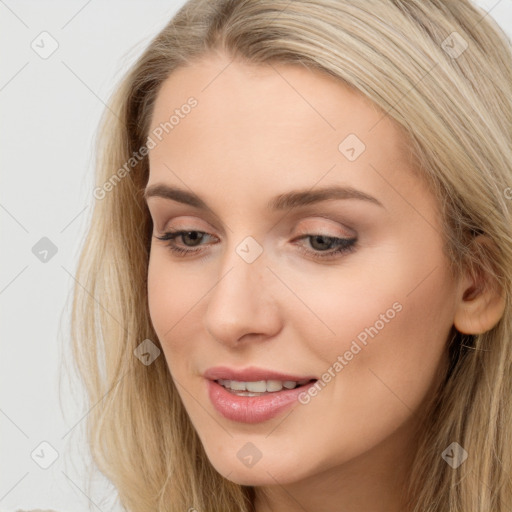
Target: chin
261, 473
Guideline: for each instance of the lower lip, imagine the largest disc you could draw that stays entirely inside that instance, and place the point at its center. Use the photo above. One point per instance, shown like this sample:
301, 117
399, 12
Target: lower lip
252, 409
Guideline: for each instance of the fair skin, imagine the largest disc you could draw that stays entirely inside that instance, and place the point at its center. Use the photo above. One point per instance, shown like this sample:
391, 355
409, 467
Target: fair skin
258, 132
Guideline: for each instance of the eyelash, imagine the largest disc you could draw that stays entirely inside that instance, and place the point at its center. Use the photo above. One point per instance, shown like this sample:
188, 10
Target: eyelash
345, 245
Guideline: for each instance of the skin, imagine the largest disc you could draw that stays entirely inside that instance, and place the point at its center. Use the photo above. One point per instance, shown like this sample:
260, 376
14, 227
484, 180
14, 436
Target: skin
261, 131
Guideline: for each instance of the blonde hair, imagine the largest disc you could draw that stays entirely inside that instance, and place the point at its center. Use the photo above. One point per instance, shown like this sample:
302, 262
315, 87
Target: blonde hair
457, 113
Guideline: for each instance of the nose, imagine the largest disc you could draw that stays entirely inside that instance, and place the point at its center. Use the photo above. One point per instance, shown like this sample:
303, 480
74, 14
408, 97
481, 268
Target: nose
242, 305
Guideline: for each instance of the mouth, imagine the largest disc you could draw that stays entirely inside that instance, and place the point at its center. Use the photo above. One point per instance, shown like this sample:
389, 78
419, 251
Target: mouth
254, 394
261, 387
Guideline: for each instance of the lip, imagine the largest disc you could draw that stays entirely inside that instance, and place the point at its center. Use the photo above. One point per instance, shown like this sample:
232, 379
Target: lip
251, 374
252, 409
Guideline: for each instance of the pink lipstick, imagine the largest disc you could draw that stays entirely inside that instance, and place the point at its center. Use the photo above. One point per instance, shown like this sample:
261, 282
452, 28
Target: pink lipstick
253, 395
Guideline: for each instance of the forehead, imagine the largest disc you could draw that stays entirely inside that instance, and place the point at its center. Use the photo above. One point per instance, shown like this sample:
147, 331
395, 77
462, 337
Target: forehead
273, 124
269, 97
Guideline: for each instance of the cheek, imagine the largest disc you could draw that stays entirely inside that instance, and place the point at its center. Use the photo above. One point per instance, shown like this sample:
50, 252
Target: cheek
162, 297
381, 363
389, 343
172, 294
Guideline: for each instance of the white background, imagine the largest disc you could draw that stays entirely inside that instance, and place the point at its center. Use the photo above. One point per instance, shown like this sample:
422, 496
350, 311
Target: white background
50, 112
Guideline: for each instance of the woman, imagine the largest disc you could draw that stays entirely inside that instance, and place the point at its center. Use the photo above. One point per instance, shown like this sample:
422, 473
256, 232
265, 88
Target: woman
295, 289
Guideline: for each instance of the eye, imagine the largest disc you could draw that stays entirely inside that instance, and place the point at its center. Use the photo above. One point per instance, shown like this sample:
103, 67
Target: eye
195, 237
323, 246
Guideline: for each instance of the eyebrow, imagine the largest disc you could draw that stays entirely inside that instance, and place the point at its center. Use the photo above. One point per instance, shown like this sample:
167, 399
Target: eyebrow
288, 201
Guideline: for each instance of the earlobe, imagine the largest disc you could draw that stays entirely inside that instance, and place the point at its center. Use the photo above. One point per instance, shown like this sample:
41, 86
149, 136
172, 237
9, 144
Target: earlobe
481, 301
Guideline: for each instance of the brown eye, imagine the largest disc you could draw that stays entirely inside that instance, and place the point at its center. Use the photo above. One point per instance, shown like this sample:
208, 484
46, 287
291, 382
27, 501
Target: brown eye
194, 236
189, 238
321, 242
327, 246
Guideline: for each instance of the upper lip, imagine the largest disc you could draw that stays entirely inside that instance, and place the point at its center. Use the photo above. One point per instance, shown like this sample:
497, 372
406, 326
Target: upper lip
251, 374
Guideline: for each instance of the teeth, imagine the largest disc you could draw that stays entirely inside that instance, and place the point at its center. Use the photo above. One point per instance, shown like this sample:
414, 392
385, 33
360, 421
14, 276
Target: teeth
255, 387
260, 386
237, 386
275, 385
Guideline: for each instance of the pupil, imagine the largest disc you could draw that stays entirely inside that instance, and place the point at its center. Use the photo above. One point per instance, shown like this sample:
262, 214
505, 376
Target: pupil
320, 238
194, 235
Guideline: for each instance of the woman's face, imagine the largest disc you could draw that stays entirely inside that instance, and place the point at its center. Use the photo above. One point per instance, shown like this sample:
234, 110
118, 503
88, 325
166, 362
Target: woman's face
315, 252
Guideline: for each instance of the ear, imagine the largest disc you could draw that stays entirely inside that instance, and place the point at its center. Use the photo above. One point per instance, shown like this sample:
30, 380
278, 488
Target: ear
481, 301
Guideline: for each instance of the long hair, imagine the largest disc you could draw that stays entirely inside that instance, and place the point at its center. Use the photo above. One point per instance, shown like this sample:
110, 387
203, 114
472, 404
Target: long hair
442, 70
